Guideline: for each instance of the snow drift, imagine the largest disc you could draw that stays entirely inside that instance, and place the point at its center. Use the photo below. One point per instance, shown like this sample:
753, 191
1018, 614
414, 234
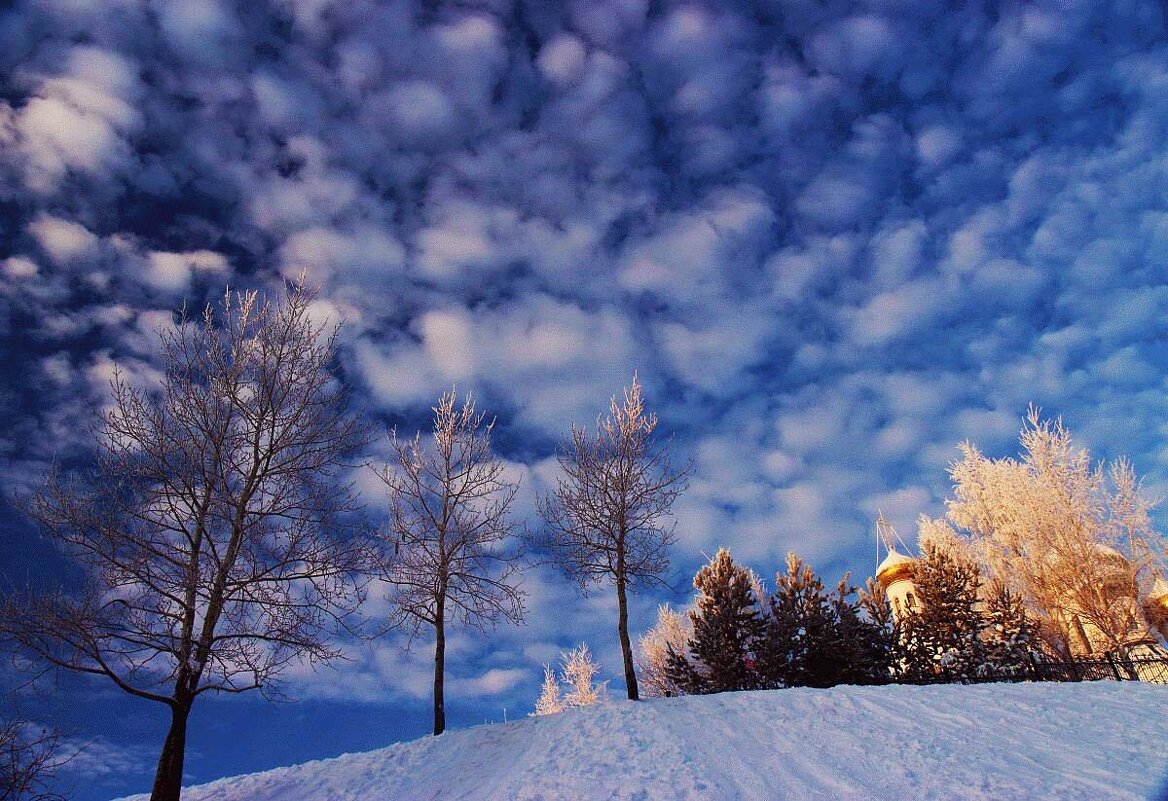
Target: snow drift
1104, 740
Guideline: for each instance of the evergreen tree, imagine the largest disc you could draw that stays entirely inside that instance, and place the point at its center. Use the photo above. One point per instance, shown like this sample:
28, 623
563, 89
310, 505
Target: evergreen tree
881, 631
940, 639
797, 649
1010, 637
819, 639
727, 631
863, 647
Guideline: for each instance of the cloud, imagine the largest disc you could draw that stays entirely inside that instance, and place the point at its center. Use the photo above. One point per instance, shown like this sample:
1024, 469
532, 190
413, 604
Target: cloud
562, 59
173, 271
63, 241
77, 119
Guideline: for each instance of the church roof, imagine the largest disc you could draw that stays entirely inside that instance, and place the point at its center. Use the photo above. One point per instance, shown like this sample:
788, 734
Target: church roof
895, 566
1159, 592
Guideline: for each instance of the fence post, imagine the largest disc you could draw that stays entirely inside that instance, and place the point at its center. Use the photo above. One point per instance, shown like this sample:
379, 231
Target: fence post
1114, 667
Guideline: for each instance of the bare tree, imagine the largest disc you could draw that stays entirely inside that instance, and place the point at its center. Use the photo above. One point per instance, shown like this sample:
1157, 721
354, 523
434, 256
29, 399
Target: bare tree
210, 526
453, 556
30, 755
606, 518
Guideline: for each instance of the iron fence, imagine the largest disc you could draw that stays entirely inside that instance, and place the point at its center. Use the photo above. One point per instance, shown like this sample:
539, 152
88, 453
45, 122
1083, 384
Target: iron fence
1109, 667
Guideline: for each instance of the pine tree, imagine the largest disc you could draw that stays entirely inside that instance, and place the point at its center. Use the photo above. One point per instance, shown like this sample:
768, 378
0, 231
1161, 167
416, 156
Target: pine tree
882, 632
727, 631
796, 652
1011, 635
863, 645
940, 639
819, 639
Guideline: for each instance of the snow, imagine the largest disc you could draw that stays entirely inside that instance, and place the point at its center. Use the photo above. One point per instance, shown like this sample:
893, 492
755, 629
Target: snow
1091, 741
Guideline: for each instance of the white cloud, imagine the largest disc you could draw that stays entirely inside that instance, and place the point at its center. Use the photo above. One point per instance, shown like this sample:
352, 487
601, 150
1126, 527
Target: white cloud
77, 120
64, 241
450, 343
20, 267
420, 113
898, 313
561, 60
173, 271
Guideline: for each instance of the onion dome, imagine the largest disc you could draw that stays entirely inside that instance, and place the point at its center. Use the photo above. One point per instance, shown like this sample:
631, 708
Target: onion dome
1106, 553
1159, 593
895, 567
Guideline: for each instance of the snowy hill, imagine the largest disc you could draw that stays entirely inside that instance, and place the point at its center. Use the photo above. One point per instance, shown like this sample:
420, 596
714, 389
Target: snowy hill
1097, 741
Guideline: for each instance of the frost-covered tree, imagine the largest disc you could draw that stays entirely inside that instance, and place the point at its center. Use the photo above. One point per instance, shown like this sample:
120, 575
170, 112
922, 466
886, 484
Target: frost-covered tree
672, 630
728, 628
211, 527
607, 519
1066, 535
551, 698
451, 554
578, 673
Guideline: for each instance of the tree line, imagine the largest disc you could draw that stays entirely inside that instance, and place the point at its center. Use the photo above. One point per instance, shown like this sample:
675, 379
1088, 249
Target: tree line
737, 636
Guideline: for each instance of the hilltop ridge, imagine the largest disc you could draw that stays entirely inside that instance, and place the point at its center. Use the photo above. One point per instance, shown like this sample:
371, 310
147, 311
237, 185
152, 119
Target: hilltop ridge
1095, 742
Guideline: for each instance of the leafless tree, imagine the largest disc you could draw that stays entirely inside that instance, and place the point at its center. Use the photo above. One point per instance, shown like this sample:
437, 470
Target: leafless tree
455, 556
606, 520
212, 524
30, 755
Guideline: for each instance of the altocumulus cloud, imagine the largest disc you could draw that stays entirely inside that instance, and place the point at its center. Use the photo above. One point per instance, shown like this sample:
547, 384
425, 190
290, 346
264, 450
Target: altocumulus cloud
835, 238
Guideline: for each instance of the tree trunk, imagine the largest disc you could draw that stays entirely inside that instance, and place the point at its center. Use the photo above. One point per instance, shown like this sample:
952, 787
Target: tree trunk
626, 645
439, 672
168, 777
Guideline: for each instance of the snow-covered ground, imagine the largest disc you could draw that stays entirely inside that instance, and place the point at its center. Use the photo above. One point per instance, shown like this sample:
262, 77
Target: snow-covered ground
1096, 741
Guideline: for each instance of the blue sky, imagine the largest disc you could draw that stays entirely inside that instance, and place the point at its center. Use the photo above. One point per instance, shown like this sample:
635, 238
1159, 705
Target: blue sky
834, 238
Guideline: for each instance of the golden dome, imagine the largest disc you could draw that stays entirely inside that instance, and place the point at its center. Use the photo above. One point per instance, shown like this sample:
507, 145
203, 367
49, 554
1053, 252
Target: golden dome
896, 566
1108, 554
1159, 592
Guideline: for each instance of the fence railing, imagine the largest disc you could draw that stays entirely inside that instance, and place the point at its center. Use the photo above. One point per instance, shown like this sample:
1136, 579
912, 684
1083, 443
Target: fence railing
1109, 667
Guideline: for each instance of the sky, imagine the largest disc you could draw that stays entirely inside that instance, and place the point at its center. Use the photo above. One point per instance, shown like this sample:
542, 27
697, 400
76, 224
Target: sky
835, 239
